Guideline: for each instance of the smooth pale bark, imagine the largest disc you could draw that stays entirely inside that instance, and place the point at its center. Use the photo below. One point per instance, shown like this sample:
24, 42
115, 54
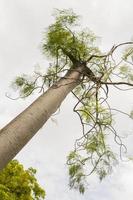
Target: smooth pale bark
20, 130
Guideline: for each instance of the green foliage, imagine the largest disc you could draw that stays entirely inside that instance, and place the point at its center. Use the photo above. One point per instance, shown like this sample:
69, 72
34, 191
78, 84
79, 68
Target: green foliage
128, 53
98, 158
77, 177
20, 81
96, 143
126, 73
25, 85
61, 40
92, 110
126, 70
16, 183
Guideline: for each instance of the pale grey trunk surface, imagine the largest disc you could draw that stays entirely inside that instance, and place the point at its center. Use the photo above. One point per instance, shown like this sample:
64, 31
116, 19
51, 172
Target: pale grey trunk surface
21, 129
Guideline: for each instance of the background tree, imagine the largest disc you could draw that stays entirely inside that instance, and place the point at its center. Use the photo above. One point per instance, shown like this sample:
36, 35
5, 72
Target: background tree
16, 183
78, 66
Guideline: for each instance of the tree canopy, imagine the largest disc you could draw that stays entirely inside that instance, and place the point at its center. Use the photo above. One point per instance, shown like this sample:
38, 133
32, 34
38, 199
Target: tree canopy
68, 47
16, 183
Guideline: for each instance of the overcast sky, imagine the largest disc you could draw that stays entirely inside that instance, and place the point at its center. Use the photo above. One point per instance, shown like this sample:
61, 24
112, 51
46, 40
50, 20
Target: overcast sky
22, 23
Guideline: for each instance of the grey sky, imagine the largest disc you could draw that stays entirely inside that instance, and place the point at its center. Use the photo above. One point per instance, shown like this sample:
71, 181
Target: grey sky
22, 23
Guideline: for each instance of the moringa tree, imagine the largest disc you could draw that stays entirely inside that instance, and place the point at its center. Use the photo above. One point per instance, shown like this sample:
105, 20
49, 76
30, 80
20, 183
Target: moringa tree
77, 66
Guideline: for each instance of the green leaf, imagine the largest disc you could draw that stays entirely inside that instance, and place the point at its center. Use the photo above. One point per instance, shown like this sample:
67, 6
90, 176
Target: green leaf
20, 81
124, 69
72, 155
102, 174
74, 169
91, 147
81, 188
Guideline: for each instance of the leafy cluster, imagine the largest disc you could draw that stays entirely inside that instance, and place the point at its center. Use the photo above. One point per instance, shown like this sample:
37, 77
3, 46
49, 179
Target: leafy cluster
16, 183
25, 85
62, 41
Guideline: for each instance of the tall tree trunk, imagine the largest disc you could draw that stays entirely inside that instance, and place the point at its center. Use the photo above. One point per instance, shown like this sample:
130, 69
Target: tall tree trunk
21, 129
